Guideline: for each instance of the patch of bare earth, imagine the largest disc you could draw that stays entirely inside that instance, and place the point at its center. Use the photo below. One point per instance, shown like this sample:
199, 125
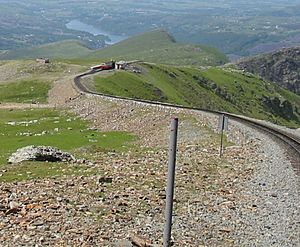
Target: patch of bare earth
62, 91
22, 106
9, 71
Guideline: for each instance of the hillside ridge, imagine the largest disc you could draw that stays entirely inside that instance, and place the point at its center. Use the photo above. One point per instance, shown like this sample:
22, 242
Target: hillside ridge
222, 89
281, 67
66, 49
159, 46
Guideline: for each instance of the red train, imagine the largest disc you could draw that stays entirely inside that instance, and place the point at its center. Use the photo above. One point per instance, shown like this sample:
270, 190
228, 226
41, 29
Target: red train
104, 66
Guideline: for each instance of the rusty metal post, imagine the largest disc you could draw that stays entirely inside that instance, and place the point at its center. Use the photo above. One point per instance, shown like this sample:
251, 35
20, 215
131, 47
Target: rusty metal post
170, 182
222, 134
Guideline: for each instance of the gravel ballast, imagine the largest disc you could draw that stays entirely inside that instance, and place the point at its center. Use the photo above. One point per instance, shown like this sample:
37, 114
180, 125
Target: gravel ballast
273, 193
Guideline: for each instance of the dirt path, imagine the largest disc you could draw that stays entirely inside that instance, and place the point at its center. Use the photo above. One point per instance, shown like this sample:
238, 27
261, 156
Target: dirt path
62, 91
23, 106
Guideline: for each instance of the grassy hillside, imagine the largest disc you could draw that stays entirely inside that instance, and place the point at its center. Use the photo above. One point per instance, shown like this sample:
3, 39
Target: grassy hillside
25, 91
159, 47
63, 49
214, 88
155, 46
24, 81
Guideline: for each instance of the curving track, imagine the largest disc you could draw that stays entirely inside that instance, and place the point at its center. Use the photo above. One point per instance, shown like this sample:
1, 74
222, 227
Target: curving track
291, 141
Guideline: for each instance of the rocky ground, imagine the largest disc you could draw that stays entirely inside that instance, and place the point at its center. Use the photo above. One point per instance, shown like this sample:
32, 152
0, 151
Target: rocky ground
248, 197
281, 67
10, 71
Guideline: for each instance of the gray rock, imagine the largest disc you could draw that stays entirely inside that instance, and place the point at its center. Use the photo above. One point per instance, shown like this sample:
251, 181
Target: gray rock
40, 153
123, 243
105, 180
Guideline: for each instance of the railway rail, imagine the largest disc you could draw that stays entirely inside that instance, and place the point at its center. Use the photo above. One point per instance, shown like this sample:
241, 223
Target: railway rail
292, 141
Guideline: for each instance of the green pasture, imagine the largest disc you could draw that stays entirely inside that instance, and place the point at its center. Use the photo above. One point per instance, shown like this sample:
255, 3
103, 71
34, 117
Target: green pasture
25, 91
20, 128
212, 88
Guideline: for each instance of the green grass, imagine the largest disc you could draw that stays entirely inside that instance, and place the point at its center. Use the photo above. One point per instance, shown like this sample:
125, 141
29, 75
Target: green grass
214, 89
25, 91
38, 170
174, 85
85, 62
159, 47
20, 128
130, 86
67, 49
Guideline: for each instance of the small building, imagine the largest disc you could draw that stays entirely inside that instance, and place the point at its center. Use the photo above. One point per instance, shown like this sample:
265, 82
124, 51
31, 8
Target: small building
121, 65
43, 60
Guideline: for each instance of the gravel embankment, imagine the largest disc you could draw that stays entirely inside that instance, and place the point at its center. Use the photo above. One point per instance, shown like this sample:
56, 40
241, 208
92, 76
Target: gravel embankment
249, 197
271, 197
263, 212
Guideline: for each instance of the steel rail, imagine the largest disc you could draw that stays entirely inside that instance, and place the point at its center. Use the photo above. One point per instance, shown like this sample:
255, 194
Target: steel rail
288, 138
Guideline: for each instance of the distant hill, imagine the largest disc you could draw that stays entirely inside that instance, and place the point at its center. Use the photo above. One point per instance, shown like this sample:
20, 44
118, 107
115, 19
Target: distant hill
281, 67
64, 49
213, 88
155, 46
160, 47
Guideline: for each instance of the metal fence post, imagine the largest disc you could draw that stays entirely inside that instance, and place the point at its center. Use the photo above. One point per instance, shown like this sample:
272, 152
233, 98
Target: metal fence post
223, 125
222, 133
170, 182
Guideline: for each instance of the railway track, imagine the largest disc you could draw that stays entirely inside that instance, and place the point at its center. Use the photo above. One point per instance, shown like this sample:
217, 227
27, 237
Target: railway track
291, 141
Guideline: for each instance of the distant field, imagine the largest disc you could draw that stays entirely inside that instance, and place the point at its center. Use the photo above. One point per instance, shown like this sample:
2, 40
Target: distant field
214, 88
25, 91
19, 128
63, 49
159, 47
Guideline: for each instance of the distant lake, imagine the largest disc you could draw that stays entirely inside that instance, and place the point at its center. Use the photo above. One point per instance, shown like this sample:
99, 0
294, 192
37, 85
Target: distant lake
80, 26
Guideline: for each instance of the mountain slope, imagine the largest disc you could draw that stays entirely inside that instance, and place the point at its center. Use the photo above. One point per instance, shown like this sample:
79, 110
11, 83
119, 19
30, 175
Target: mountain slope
155, 46
160, 47
214, 88
64, 49
281, 67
